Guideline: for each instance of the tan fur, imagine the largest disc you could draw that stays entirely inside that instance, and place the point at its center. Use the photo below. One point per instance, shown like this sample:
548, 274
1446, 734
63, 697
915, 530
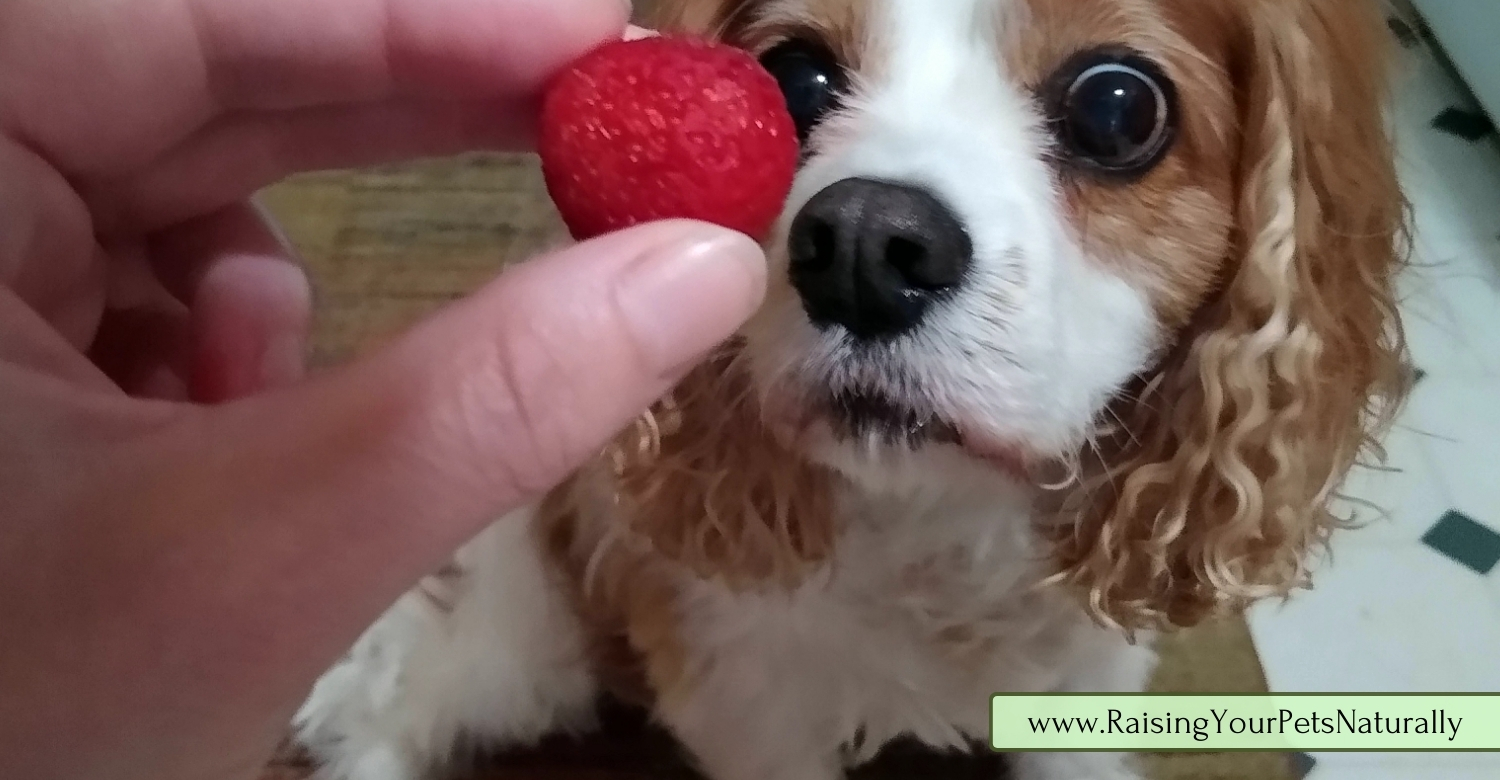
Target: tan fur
757, 25
716, 19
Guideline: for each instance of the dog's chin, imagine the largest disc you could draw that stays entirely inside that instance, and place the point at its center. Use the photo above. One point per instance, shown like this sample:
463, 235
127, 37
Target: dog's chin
862, 416
876, 424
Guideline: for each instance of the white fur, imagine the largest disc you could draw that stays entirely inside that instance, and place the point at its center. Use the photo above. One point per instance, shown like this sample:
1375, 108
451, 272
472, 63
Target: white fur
501, 663
938, 557
788, 680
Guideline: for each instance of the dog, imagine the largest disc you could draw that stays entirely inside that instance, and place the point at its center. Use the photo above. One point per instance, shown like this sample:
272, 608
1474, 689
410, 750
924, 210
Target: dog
1079, 313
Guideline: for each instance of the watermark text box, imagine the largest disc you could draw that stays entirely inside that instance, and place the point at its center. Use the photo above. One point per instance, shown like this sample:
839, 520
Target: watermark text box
1230, 722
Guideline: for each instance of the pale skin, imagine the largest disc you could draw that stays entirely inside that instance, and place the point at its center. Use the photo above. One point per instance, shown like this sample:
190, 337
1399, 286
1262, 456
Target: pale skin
191, 529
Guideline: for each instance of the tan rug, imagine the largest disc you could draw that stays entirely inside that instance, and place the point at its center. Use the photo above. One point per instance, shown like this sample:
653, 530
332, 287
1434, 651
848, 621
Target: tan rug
386, 246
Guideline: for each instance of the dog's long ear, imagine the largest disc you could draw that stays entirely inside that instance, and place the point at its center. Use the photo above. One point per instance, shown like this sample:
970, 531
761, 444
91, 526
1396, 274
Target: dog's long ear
1245, 432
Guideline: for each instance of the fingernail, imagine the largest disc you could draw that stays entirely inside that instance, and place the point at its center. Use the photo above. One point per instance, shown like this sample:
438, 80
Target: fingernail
688, 296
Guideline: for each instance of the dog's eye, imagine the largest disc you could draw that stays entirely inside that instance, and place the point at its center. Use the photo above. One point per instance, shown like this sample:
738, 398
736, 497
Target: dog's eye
811, 79
1115, 113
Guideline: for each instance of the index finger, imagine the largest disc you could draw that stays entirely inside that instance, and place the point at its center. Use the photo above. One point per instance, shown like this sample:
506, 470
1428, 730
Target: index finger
100, 87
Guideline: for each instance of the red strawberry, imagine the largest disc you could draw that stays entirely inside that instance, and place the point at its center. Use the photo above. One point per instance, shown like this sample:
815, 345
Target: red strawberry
664, 128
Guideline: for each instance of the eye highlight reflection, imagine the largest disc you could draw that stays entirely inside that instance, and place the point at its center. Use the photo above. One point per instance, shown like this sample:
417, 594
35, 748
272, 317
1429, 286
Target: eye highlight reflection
810, 77
1113, 111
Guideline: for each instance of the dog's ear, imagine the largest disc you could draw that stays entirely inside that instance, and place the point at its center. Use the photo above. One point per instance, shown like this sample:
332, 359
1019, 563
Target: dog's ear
1241, 437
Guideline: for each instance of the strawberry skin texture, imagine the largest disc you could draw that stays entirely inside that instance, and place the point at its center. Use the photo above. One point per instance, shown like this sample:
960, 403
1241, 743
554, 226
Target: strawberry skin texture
667, 128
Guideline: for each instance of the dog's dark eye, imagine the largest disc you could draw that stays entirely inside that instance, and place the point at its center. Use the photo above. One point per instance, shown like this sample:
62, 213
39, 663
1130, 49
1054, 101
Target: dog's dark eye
811, 79
1115, 112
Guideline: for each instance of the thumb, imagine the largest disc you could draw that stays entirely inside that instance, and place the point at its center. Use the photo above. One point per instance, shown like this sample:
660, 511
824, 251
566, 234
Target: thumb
383, 468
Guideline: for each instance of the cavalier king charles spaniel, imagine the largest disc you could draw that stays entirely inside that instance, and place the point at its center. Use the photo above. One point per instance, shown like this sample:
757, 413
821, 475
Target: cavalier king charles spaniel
1080, 312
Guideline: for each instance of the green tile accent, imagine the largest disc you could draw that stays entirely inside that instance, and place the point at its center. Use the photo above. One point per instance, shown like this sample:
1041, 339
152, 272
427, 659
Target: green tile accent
1411, 376
1405, 34
1302, 765
1465, 540
1464, 123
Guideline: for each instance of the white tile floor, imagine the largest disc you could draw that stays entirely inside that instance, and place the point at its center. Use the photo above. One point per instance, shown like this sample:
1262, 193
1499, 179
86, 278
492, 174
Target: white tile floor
1388, 612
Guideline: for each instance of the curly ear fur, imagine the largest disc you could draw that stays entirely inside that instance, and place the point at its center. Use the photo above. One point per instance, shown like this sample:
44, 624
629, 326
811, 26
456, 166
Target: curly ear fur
1245, 431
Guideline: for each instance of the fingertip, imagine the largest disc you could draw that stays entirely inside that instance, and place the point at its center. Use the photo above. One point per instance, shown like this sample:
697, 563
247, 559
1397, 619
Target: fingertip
252, 317
687, 291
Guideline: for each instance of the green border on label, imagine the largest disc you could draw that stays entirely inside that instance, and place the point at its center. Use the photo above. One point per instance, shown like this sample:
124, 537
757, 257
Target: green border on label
1230, 723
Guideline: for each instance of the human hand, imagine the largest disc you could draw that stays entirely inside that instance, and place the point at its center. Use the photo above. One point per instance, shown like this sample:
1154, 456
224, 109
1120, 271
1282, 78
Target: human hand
190, 531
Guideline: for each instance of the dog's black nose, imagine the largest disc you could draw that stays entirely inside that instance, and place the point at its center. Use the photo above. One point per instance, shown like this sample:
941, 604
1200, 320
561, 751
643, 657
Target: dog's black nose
873, 256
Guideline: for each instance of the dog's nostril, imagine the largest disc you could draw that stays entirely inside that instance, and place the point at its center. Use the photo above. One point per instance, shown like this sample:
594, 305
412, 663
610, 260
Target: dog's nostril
813, 246
825, 244
922, 264
910, 258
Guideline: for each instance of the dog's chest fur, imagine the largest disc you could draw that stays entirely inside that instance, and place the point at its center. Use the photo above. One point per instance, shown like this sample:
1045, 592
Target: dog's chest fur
926, 606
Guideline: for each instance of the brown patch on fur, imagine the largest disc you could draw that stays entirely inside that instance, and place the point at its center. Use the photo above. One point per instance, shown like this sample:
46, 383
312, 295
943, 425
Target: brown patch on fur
625, 601
1170, 230
1285, 377
699, 488
722, 496
838, 24
758, 25
697, 17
